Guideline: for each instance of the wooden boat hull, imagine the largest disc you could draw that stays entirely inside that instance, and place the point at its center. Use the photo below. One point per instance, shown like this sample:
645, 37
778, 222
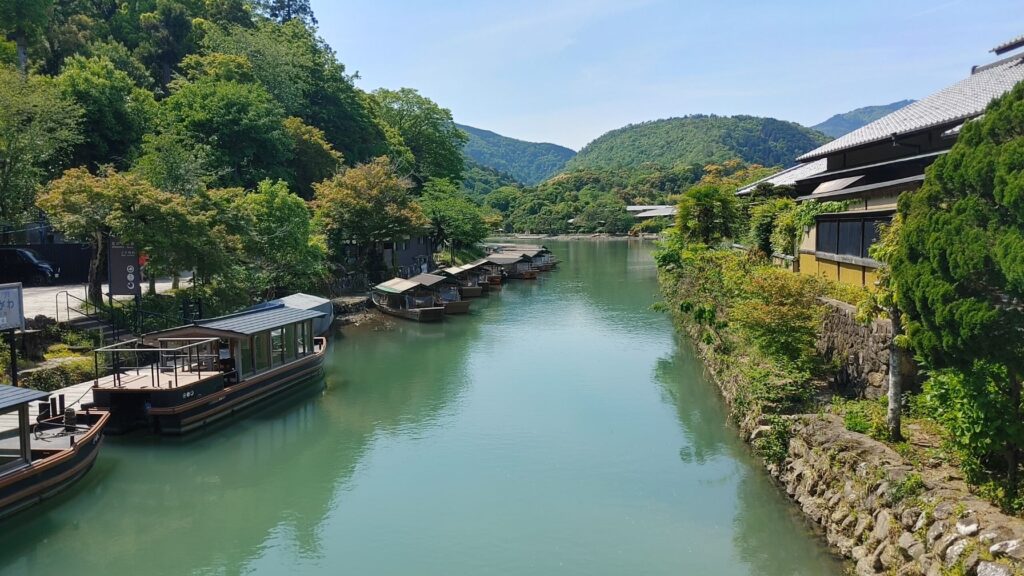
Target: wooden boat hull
174, 411
46, 477
494, 280
545, 267
524, 275
432, 314
470, 291
461, 307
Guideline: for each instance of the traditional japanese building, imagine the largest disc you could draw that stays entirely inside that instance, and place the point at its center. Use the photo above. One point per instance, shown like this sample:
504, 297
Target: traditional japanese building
870, 167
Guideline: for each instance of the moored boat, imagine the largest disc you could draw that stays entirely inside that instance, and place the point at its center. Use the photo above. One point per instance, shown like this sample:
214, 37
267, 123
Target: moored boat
190, 376
445, 291
472, 279
406, 299
38, 460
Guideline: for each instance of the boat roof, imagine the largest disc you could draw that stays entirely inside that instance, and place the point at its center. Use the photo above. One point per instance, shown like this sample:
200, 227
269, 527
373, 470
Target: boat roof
396, 286
248, 322
428, 280
502, 260
302, 301
11, 397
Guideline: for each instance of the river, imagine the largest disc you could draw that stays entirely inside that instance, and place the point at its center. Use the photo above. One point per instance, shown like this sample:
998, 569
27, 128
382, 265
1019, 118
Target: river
561, 429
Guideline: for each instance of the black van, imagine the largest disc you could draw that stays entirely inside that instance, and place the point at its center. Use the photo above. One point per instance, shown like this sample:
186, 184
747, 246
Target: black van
26, 266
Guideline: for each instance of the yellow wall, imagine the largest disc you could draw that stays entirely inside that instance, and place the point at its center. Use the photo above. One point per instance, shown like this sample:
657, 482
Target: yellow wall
870, 277
851, 274
828, 270
808, 264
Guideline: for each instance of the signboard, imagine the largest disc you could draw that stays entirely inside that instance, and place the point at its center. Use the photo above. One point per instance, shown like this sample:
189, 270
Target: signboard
123, 270
12, 307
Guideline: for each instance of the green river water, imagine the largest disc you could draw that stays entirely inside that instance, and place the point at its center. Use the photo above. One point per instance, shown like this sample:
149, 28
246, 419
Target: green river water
560, 429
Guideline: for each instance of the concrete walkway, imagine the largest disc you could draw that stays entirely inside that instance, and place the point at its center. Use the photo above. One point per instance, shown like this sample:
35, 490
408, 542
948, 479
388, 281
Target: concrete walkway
44, 299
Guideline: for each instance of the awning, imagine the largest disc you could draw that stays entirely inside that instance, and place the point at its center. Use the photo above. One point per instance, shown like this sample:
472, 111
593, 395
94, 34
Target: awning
903, 183
396, 286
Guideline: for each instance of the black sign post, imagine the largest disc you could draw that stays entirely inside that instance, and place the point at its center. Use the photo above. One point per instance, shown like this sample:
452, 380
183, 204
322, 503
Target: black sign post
123, 268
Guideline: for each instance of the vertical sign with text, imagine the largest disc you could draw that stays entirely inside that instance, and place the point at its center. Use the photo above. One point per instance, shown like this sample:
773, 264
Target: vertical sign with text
12, 307
123, 268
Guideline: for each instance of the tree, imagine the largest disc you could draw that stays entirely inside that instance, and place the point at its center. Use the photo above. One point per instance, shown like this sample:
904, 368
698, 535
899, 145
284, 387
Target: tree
240, 123
277, 246
166, 40
883, 302
116, 112
454, 218
287, 10
314, 158
172, 162
38, 127
959, 268
93, 208
364, 206
429, 132
605, 214
707, 214
23, 20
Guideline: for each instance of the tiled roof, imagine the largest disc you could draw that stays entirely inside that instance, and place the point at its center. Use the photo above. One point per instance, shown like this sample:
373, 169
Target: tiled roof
659, 212
788, 176
965, 99
11, 396
1009, 45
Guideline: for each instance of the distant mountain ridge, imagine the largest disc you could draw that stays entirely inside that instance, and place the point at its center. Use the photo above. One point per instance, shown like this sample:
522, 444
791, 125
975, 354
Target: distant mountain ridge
700, 139
842, 124
527, 162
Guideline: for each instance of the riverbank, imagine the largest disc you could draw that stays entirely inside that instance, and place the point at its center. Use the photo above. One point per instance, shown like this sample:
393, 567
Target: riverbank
884, 513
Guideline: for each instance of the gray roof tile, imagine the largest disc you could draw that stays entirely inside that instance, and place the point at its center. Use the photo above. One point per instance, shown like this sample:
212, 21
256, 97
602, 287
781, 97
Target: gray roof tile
965, 99
788, 176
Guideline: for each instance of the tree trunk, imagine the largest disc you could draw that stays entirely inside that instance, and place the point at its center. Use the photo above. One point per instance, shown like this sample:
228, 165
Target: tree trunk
99, 254
21, 43
892, 417
1012, 450
175, 281
152, 284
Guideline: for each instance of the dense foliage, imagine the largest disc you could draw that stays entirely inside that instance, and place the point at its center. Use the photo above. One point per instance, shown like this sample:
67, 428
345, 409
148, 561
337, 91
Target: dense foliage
700, 140
478, 181
959, 273
528, 162
847, 122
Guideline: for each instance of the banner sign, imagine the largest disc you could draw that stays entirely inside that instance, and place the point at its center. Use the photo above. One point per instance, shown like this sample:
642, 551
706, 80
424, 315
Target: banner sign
12, 307
123, 270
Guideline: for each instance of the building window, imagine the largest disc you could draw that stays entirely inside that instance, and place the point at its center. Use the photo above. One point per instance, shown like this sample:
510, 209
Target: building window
848, 235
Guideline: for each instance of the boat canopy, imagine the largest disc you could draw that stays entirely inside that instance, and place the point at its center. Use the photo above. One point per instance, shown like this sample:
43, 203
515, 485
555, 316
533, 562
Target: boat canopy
246, 323
502, 259
11, 397
396, 286
429, 280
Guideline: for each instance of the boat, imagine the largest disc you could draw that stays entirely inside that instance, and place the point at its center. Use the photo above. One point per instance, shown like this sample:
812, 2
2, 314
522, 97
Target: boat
406, 299
515, 266
445, 290
178, 380
41, 456
541, 259
472, 279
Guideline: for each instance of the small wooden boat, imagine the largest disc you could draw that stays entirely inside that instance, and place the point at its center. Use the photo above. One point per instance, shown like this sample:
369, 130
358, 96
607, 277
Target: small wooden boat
202, 372
472, 279
39, 460
406, 299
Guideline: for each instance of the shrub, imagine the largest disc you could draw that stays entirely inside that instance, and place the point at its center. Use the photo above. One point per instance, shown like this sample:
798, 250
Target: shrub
773, 445
780, 313
910, 486
59, 376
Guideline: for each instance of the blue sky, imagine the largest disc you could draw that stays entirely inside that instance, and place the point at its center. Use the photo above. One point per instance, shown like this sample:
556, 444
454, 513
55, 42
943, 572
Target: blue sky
566, 71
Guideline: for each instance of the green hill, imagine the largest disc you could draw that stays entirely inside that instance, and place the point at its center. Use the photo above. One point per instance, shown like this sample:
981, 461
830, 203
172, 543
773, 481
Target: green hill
841, 124
700, 139
527, 162
479, 181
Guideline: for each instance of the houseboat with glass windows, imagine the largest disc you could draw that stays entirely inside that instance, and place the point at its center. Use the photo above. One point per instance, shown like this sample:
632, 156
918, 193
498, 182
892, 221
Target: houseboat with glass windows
45, 446
407, 299
175, 381
514, 266
471, 278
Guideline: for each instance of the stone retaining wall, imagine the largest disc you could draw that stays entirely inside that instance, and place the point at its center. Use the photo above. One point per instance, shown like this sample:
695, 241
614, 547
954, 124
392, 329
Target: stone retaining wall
861, 353
876, 510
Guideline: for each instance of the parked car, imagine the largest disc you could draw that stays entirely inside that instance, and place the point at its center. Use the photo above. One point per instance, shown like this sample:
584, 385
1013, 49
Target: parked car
26, 266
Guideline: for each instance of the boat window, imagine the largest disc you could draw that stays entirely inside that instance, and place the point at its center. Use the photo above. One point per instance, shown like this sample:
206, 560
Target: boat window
245, 366
301, 340
261, 344
289, 343
308, 335
277, 347
12, 451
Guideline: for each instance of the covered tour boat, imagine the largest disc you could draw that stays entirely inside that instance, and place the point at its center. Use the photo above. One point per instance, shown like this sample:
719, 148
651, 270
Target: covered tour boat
446, 292
406, 299
514, 266
177, 380
45, 446
472, 279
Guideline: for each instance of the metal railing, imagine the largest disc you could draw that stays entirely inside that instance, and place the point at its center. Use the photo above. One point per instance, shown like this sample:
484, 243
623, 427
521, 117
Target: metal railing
128, 317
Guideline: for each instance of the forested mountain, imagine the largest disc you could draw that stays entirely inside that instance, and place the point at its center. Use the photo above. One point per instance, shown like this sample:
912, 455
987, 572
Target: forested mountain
478, 181
527, 162
845, 123
700, 139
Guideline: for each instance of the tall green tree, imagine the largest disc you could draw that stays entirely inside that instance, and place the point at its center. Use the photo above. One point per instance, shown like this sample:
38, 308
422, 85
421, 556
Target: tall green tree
166, 39
707, 214
38, 129
429, 132
365, 206
116, 112
287, 10
23, 21
959, 269
454, 218
240, 123
313, 160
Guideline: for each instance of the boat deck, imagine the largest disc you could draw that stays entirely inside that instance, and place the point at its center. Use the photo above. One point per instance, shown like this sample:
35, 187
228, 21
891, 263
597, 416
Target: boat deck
146, 378
74, 396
